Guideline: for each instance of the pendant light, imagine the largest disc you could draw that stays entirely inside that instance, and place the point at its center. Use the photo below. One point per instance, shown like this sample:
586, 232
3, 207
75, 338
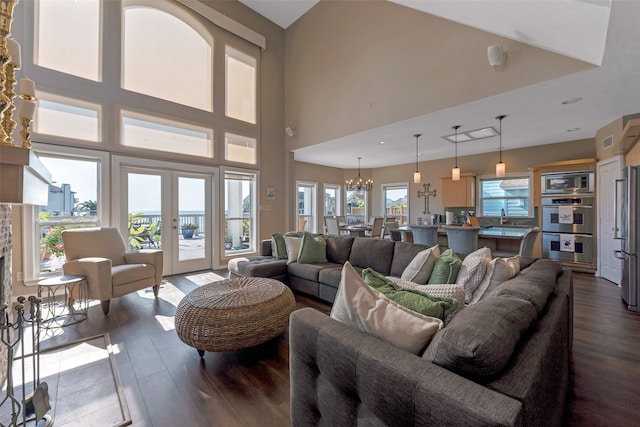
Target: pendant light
500, 166
416, 175
455, 172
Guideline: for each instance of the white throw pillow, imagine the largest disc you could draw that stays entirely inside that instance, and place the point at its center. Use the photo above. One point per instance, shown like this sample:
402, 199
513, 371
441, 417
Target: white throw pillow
472, 271
361, 306
498, 270
293, 247
420, 268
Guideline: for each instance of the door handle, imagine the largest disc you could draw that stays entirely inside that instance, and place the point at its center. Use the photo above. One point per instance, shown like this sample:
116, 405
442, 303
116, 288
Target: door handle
619, 254
615, 209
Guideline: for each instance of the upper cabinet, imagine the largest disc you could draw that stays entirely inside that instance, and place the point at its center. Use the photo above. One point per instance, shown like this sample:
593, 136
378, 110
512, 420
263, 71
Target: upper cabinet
460, 193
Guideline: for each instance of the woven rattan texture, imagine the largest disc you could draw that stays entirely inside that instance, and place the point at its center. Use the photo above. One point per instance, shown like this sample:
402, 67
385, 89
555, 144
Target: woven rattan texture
234, 314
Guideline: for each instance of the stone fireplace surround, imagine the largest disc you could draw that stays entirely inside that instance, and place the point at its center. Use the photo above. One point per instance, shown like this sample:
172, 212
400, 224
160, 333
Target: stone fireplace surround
5, 272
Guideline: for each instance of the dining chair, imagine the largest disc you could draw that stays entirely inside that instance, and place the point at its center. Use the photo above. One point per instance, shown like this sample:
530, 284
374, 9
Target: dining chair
463, 240
391, 230
331, 224
302, 223
376, 228
425, 234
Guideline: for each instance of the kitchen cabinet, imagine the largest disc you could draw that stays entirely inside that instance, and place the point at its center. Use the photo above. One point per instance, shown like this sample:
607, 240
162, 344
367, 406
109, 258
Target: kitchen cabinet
460, 193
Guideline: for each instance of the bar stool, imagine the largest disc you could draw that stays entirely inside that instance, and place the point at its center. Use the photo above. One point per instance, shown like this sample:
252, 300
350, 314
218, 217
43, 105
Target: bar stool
463, 240
425, 234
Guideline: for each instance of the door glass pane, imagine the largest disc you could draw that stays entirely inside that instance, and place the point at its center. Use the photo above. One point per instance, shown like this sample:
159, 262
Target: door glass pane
72, 204
70, 48
144, 209
191, 204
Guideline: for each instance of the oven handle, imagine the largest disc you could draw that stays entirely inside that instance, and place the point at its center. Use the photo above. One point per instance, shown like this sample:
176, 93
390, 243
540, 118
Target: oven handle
616, 229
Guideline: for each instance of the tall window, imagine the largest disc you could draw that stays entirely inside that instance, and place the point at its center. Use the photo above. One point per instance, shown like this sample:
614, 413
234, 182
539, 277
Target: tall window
306, 206
73, 203
331, 199
356, 207
240, 85
164, 57
67, 37
513, 194
395, 202
239, 212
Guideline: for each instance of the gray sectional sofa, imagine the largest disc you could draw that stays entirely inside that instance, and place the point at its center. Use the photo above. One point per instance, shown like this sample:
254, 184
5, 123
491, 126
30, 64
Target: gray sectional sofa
321, 280
503, 361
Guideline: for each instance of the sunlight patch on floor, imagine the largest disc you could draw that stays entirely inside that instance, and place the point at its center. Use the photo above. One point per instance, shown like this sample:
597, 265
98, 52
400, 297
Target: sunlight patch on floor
166, 322
204, 278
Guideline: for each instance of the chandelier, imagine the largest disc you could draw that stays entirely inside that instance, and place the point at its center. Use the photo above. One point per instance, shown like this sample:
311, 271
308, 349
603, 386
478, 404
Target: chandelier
359, 184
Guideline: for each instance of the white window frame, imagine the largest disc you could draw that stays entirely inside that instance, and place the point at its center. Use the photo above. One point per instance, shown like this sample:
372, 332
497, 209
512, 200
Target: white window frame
338, 194
514, 175
255, 212
312, 217
394, 186
31, 238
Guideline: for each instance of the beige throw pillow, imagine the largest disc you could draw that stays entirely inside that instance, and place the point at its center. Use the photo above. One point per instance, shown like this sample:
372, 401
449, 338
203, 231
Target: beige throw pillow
420, 268
293, 247
359, 305
472, 271
498, 270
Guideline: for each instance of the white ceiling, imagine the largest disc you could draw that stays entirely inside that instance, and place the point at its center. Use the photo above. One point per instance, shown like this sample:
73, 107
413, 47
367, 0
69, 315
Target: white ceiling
603, 33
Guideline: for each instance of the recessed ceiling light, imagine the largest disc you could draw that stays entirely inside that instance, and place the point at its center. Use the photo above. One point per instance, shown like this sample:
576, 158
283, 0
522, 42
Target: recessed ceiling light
482, 133
381, 143
571, 101
573, 129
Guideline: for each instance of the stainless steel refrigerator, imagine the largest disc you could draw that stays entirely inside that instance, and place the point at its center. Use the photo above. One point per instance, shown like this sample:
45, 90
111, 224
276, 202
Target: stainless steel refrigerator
627, 210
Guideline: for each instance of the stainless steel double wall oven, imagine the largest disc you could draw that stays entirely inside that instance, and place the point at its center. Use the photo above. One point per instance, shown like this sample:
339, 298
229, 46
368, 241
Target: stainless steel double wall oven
568, 219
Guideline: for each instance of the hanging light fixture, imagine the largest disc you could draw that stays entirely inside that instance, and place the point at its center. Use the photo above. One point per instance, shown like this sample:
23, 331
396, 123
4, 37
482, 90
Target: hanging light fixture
359, 184
416, 174
455, 172
500, 166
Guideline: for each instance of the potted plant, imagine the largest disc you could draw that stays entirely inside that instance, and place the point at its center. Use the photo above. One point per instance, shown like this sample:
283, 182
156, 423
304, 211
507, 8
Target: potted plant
228, 242
188, 229
53, 241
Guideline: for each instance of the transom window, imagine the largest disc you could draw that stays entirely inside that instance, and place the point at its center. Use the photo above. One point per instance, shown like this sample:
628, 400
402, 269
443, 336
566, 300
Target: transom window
512, 193
68, 118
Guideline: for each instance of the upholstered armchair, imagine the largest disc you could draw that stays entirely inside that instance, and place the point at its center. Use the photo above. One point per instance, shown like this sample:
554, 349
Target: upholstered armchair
100, 254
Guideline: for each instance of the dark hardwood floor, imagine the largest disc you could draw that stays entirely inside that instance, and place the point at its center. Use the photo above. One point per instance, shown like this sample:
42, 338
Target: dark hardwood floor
167, 384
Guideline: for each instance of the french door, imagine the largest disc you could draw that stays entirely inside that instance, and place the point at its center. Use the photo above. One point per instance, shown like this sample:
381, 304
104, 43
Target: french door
171, 210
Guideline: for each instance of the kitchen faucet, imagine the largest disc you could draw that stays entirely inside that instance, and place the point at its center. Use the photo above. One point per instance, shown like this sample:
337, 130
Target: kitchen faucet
503, 217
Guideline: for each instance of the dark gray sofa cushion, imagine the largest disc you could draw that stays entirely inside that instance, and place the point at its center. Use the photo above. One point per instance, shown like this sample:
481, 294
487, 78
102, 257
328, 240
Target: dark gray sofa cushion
308, 271
480, 339
331, 276
373, 253
403, 254
533, 284
262, 266
339, 248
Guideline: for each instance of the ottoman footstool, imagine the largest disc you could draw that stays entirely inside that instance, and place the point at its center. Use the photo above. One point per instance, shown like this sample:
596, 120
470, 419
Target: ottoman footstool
234, 314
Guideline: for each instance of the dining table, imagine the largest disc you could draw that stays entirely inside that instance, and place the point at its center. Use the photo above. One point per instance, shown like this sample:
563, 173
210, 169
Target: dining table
357, 230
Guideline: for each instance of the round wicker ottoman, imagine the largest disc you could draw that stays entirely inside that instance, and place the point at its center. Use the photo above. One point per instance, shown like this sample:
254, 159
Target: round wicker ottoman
234, 314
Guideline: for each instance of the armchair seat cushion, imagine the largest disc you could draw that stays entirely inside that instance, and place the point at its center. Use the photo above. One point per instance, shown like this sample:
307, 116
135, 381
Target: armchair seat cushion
127, 273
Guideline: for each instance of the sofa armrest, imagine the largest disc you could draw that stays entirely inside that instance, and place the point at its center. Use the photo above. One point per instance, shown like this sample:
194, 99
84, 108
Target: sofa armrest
147, 256
342, 376
265, 247
98, 273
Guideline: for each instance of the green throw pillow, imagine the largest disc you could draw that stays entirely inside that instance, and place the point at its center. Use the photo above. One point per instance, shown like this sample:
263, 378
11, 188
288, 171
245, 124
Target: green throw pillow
312, 249
280, 249
446, 268
413, 300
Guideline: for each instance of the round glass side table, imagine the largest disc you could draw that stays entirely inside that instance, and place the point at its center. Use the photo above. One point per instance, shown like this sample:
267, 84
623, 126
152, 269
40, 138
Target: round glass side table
64, 300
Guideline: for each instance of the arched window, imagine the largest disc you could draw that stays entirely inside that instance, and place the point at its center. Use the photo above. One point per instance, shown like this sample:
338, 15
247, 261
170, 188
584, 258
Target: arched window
164, 57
